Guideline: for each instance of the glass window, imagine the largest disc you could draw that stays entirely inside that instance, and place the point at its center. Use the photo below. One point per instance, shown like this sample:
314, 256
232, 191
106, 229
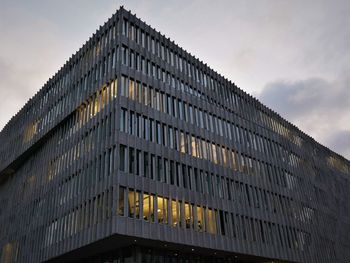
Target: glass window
211, 221
180, 210
201, 122
176, 140
145, 165
200, 219
131, 89
169, 104
122, 152
152, 130
193, 145
166, 171
188, 215
160, 209
159, 169
172, 173
121, 201
138, 162
180, 108
175, 213
215, 160
171, 138
123, 120
146, 206
178, 174
165, 135
131, 203
153, 166
131, 160
124, 86
159, 136
182, 142
131, 128
137, 204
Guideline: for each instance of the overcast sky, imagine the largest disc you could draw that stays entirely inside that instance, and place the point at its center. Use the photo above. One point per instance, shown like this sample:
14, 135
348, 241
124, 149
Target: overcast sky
292, 55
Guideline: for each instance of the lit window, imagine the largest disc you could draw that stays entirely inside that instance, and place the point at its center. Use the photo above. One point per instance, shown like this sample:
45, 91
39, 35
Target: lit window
211, 221
121, 201
182, 142
188, 215
131, 203
148, 204
175, 213
160, 209
131, 89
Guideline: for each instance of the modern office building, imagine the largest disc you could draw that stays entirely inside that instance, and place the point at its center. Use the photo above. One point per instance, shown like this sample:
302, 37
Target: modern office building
136, 151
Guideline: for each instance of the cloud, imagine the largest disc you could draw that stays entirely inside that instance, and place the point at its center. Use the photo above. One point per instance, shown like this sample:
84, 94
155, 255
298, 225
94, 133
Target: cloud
317, 106
341, 141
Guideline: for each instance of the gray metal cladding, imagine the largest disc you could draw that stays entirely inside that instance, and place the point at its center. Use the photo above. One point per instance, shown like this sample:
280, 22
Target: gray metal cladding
136, 137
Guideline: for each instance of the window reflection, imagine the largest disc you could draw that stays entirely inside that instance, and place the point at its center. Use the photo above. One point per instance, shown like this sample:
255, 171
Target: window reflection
200, 219
148, 204
182, 214
131, 203
211, 222
121, 201
175, 213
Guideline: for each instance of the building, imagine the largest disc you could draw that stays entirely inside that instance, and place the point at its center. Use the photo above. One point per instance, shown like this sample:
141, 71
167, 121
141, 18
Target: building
135, 151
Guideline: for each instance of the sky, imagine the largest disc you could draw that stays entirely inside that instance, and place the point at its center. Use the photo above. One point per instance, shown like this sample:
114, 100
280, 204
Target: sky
291, 55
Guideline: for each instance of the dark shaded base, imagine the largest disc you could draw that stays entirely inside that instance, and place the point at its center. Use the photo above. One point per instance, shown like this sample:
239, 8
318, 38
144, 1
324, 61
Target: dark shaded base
128, 249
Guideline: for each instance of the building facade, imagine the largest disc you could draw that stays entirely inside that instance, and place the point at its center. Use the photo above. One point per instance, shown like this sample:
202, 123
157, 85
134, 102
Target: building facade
136, 151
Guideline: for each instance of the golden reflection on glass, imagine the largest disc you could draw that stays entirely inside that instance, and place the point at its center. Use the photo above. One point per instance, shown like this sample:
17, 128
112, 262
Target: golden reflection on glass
146, 211
215, 158
200, 219
137, 205
188, 215
224, 156
121, 202
194, 148
182, 142
30, 131
211, 222
174, 213
148, 207
160, 209
131, 89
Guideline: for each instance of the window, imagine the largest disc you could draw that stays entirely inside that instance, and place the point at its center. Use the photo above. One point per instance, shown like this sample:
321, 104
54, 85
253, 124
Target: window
171, 138
131, 203
121, 201
193, 146
188, 215
122, 152
148, 204
182, 142
159, 136
152, 130
138, 162
131, 160
124, 86
211, 222
172, 173
162, 210
131, 89
131, 128
145, 165
191, 114
174, 213
137, 204
159, 169
200, 219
